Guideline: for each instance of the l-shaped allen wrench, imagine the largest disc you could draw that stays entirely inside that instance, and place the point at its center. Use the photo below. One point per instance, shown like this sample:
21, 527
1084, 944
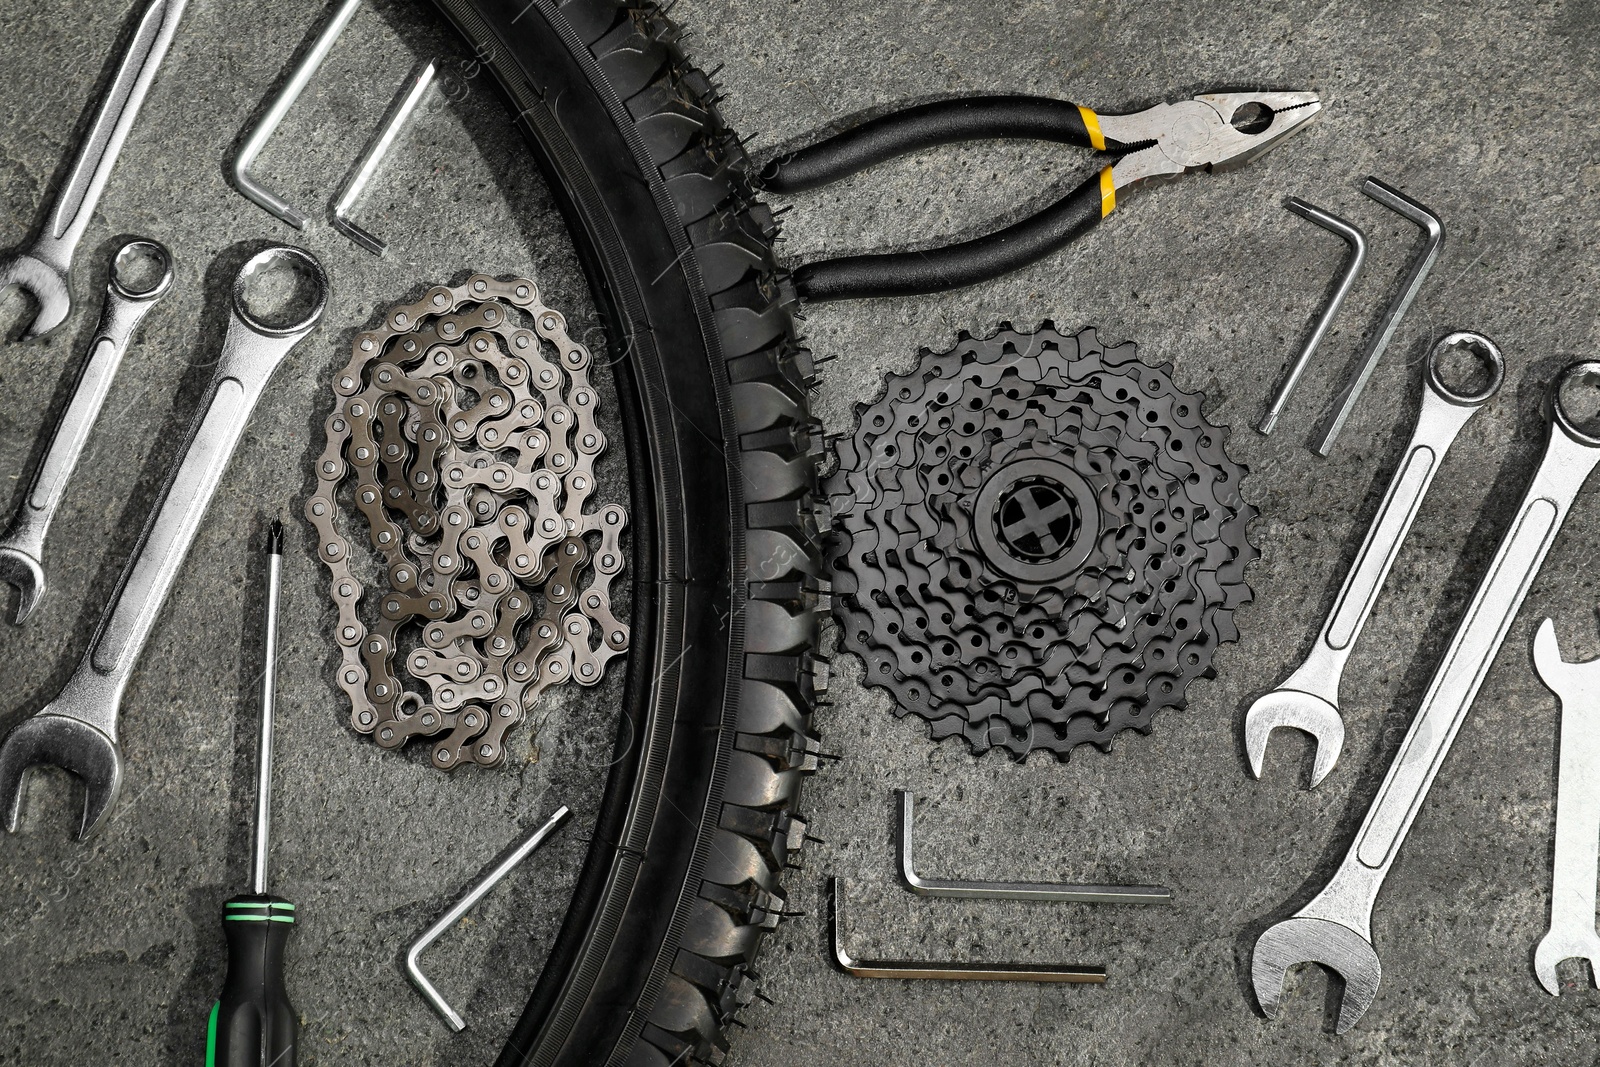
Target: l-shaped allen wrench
1056, 891
981, 972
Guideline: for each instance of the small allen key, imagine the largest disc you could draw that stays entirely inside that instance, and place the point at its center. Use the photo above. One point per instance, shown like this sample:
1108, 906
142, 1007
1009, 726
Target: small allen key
978, 972
482, 886
1358, 255
405, 102
1056, 891
262, 131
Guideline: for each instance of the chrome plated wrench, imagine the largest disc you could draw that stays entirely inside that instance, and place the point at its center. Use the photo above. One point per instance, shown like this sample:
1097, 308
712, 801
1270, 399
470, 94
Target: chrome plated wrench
127, 301
1572, 892
1335, 929
1309, 698
77, 731
43, 268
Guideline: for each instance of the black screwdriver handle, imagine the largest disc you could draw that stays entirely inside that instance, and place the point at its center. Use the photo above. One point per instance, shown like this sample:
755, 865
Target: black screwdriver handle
253, 1024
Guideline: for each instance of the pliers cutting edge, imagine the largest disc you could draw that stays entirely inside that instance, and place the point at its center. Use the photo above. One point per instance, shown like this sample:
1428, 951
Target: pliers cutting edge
1212, 131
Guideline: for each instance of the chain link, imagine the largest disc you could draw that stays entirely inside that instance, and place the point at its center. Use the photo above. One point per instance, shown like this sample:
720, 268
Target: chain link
468, 421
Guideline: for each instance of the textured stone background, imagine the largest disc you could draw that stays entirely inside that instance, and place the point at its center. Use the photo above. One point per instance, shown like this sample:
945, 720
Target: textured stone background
110, 951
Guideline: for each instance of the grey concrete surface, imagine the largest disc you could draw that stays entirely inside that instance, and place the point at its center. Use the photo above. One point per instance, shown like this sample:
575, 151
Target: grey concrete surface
110, 951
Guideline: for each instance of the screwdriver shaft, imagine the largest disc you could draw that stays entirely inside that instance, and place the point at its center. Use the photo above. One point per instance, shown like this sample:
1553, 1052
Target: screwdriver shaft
269, 684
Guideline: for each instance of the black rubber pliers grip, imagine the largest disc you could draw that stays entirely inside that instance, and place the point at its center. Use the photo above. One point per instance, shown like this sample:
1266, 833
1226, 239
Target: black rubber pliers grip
1211, 130
924, 126
977, 118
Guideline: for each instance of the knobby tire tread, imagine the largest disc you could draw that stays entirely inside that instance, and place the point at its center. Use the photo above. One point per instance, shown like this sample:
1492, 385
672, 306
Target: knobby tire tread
698, 822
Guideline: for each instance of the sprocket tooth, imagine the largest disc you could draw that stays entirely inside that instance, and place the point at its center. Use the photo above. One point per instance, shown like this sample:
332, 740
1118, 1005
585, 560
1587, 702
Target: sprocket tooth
1072, 653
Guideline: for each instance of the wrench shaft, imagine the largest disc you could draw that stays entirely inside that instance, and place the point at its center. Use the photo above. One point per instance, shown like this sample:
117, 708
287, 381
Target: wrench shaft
1577, 857
1437, 426
121, 317
1562, 472
1459, 676
100, 149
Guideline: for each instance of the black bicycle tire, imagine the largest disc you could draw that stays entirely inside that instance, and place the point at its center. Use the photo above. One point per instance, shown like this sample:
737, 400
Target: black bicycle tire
682, 880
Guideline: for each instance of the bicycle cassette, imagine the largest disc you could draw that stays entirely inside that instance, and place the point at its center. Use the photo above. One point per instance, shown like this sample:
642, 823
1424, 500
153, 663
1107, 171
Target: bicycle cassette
1039, 541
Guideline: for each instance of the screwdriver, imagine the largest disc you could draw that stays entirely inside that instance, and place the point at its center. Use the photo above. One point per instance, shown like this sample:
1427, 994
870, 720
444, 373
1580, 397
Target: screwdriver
252, 1023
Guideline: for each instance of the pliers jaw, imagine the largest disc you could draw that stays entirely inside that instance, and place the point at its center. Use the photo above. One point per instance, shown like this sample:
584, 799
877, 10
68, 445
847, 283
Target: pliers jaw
1213, 131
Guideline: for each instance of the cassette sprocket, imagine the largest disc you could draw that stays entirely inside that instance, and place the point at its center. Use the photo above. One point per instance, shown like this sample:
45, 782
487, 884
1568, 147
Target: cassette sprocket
1039, 541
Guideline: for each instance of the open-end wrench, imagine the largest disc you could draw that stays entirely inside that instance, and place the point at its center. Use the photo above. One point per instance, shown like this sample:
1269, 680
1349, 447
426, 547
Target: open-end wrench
127, 299
77, 731
42, 268
1309, 698
1335, 929
1572, 930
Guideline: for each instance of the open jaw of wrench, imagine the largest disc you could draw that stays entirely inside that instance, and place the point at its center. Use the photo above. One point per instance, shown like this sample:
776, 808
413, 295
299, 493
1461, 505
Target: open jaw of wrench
128, 298
1335, 928
77, 731
1308, 699
43, 268
1572, 891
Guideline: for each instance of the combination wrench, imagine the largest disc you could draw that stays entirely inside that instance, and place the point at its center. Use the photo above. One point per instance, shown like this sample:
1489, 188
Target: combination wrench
42, 269
77, 731
1572, 891
128, 299
1335, 928
1308, 699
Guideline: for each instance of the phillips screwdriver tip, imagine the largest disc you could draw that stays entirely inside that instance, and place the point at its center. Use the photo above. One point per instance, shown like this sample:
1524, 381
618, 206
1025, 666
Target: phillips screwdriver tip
275, 538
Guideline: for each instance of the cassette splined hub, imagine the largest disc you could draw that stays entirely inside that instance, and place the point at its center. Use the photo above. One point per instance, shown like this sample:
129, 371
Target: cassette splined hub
1040, 541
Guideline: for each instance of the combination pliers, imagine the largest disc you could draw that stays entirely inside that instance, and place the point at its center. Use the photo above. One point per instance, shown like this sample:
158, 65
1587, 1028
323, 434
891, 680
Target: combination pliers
1212, 131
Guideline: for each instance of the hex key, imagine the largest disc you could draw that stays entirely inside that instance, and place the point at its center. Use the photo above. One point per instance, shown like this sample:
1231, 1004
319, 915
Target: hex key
1433, 230
979, 972
1057, 891
464, 905
308, 66
405, 102
1358, 249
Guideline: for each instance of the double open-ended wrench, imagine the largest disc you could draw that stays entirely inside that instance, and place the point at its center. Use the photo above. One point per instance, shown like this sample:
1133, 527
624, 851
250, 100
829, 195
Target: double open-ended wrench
1309, 698
128, 298
1335, 929
42, 269
1572, 885
77, 731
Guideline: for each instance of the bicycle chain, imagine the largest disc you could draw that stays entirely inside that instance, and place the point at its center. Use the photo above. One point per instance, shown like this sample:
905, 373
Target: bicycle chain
1040, 541
474, 462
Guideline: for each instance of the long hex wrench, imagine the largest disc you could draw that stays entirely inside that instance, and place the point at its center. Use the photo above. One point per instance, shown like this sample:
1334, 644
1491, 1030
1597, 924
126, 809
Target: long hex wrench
1055, 891
262, 132
252, 1022
1352, 269
482, 886
1309, 698
1572, 883
43, 269
405, 103
1335, 928
947, 969
77, 731
1433, 240
128, 298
